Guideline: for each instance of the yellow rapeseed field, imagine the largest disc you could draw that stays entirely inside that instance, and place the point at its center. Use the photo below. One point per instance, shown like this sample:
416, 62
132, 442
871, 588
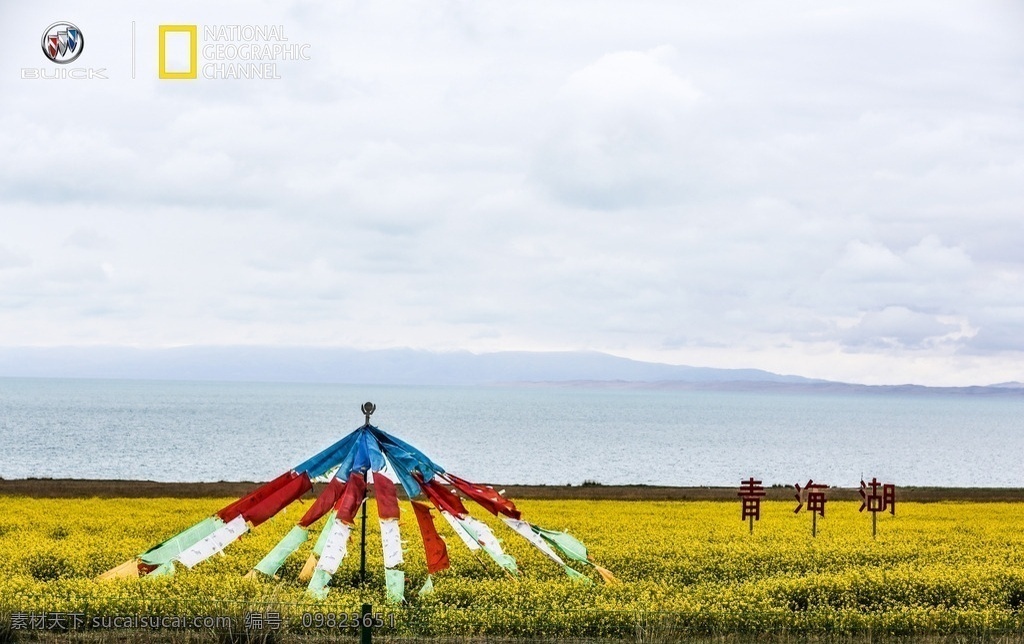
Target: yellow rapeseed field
684, 566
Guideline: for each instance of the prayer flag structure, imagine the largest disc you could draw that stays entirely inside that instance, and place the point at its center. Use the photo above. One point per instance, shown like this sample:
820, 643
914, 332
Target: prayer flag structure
366, 457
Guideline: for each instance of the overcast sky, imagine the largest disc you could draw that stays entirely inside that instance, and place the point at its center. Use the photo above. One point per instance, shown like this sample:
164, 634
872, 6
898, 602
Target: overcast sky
829, 189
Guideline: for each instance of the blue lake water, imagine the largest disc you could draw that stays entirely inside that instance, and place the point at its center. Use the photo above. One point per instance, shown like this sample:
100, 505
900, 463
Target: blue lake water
201, 431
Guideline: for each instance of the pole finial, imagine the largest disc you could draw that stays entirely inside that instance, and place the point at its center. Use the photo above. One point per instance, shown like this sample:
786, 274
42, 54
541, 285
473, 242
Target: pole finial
368, 409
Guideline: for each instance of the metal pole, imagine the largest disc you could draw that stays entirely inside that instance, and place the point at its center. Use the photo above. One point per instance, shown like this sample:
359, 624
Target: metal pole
368, 408
362, 548
751, 524
814, 523
366, 625
874, 524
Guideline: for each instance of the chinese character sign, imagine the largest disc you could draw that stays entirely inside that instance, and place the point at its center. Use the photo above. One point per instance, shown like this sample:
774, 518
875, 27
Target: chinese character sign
750, 495
874, 502
813, 494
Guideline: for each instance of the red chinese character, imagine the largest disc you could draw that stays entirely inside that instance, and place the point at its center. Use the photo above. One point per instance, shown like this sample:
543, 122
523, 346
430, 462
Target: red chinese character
750, 494
815, 502
874, 502
889, 498
815, 497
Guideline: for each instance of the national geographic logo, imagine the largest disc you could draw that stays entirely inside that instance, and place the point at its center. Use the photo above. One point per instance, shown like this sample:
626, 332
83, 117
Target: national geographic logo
180, 40
250, 52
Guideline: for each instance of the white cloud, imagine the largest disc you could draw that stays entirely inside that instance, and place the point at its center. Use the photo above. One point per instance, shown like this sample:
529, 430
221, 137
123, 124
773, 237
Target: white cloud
898, 327
12, 259
87, 239
620, 128
833, 191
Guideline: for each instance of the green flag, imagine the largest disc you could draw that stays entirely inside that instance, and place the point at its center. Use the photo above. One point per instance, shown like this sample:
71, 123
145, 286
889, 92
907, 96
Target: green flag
569, 545
395, 582
318, 584
578, 576
318, 547
427, 587
270, 564
505, 560
179, 543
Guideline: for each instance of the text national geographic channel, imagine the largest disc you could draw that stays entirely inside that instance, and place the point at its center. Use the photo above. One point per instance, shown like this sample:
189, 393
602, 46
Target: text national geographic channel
227, 51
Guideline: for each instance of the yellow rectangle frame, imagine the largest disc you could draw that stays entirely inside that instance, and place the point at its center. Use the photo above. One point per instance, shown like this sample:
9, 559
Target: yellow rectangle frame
193, 69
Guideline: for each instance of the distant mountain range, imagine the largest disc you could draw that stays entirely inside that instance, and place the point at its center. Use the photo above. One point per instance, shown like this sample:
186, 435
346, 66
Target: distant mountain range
387, 366
410, 367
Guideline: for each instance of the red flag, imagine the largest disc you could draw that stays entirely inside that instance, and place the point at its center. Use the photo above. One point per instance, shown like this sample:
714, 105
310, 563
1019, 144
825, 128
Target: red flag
323, 503
281, 498
245, 503
485, 496
350, 500
387, 496
433, 545
442, 497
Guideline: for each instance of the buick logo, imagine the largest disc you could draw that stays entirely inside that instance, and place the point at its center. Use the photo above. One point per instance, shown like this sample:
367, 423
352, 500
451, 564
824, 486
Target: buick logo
63, 42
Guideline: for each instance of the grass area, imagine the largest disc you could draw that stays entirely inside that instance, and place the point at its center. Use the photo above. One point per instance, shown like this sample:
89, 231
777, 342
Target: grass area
688, 568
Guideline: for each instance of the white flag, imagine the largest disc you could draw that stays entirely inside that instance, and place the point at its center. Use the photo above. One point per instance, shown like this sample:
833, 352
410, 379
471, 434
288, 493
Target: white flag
459, 530
391, 540
214, 543
335, 548
484, 534
523, 528
485, 537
